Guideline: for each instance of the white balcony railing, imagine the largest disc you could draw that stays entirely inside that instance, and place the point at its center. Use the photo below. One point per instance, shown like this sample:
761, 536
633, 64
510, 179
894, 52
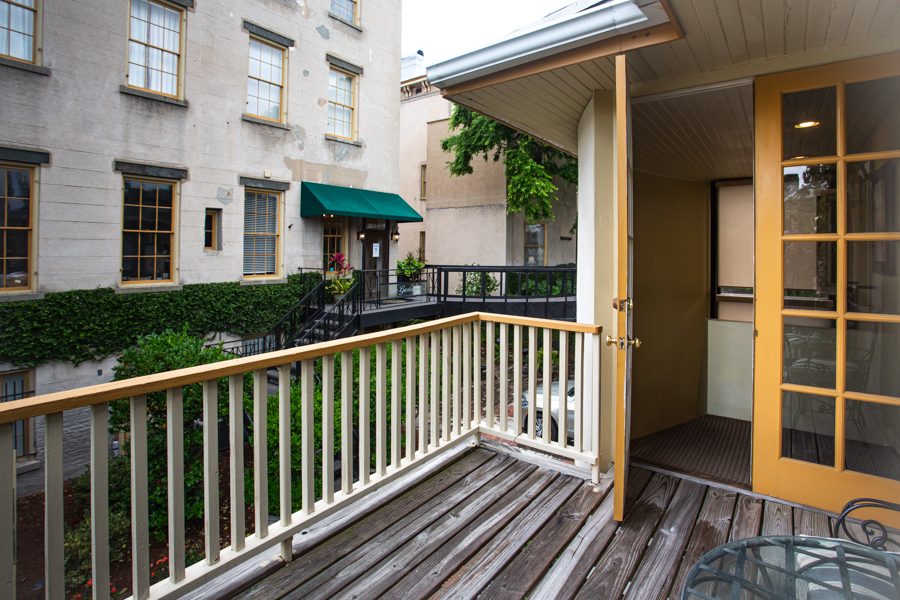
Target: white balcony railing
444, 406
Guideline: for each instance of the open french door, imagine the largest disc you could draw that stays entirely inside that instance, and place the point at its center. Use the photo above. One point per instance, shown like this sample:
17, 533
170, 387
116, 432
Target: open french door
623, 340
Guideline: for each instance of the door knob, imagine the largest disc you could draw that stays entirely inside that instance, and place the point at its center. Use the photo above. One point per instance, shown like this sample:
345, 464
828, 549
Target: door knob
636, 342
610, 340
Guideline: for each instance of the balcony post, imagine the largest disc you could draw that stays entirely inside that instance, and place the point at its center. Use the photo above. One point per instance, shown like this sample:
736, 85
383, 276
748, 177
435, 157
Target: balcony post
7, 512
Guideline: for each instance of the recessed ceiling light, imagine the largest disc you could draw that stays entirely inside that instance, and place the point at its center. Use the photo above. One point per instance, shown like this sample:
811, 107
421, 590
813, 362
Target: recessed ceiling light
806, 124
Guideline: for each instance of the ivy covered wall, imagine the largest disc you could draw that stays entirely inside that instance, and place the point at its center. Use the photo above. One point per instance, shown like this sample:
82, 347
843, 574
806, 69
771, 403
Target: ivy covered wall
82, 325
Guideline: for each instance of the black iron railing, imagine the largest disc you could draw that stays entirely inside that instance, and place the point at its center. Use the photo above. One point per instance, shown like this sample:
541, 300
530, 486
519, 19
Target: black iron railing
383, 287
340, 320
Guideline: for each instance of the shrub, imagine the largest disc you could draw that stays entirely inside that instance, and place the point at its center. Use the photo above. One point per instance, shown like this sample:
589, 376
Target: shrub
474, 282
119, 478
78, 548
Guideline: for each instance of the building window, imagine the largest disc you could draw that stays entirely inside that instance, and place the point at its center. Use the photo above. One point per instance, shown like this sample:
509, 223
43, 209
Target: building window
16, 208
333, 239
341, 103
535, 244
154, 47
265, 83
148, 230
17, 21
212, 228
422, 246
423, 178
344, 9
261, 233
16, 386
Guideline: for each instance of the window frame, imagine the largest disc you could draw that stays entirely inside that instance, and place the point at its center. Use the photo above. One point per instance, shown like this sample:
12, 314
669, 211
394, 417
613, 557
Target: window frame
543, 246
36, 30
182, 45
34, 171
215, 230
282, 112
423, 181
279, 204
343, 238
27, 425
353, 116
173, 244
336, 15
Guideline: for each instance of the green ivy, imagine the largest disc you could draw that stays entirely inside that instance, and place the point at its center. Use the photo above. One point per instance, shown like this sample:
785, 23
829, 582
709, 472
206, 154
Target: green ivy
82, 325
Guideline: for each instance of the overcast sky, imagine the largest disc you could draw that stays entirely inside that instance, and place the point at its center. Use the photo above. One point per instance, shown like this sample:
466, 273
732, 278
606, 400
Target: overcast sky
443, 30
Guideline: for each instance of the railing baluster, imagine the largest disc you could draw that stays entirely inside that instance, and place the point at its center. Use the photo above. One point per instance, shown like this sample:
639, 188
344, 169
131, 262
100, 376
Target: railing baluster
517, 380
423, 393
99, 500
467, 375
328, 428
455, 378
396, 406
365, 356
445, 383
410, 394
548, 380
435, 390
140, 534
175, 487
489, 375
347, 421
260, 454
380, 409
532, 381
7, 512
54, 538
236, 459
579, 392
476, 367
307, 439
503, 391
284, 455
563, 388
595, 409
211, 470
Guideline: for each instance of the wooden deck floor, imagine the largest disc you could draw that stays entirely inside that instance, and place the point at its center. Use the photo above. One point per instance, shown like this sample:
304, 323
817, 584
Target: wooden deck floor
492, 526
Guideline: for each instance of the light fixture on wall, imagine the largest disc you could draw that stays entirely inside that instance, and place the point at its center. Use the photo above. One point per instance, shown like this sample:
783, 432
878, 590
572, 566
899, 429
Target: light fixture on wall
361, 232
395, 233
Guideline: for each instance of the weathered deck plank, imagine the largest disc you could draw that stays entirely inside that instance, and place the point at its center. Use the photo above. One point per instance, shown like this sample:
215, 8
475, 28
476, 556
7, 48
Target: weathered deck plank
420, 500
623, 555
777, 519
710, 531
529, 566
807, 522
477, 572
351, 567
428, 575
747, 518
656, 573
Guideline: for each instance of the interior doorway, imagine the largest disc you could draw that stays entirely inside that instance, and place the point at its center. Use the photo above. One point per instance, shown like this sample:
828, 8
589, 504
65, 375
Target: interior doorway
692, 394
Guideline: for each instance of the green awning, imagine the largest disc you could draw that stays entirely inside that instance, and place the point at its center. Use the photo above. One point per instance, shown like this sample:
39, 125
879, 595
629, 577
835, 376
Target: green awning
319, 199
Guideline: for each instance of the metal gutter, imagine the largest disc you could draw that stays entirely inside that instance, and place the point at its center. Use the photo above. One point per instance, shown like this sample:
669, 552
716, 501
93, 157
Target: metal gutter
564, 30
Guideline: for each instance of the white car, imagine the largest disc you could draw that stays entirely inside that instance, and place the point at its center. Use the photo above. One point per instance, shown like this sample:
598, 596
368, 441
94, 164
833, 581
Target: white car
554, 410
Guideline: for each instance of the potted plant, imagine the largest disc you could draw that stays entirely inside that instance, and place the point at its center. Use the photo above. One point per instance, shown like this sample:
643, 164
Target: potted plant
341, 281
409, 270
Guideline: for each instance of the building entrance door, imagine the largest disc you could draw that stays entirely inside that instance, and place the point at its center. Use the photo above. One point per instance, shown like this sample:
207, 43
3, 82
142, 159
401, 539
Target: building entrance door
826, 425
376, 259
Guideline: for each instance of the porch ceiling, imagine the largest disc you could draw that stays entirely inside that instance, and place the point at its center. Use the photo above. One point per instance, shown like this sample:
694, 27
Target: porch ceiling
724, 40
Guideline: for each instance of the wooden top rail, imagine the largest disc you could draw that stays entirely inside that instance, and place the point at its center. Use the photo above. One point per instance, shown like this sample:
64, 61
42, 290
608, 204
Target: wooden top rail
116, 390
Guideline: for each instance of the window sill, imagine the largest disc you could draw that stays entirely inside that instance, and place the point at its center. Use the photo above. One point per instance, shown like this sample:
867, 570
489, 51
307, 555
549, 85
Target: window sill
20, 296
124, 89
24, 66
263, 281
261, 121
335, 138
27, 465
345, 22
148, 288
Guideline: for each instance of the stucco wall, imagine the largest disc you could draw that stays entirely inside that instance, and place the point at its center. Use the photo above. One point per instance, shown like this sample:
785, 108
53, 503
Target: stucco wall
79, 115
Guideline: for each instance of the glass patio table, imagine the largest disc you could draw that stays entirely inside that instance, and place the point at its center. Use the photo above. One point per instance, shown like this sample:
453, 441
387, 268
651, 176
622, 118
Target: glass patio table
794, 568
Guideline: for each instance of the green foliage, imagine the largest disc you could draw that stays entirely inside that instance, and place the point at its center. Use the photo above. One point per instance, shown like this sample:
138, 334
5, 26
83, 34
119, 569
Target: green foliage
539, 359
93, 324
536, 284
119, 486
157, 353
410, 267
474, 280
530, 165
77, 549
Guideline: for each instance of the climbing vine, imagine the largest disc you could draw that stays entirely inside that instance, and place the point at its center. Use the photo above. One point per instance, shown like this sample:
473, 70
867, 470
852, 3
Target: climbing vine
82, 325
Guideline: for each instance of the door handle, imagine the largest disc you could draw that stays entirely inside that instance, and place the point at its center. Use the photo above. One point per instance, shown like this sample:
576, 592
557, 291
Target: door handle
623, 343
610, 340
636, 342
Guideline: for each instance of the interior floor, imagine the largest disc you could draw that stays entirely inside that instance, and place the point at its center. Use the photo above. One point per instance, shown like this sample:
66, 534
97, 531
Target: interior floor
710, 447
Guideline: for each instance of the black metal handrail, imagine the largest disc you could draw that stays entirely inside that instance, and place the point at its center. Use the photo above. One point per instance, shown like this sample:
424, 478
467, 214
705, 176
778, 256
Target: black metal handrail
336, 320
379, 283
